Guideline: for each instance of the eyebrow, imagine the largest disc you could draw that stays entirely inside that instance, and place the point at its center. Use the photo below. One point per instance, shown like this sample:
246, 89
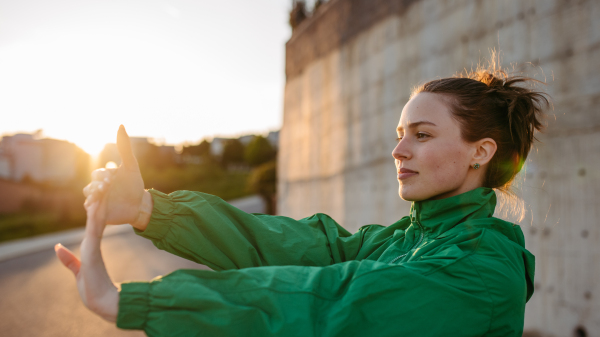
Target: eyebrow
415, 124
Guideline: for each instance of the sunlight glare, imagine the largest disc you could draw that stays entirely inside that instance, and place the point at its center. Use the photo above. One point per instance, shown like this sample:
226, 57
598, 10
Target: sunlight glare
111, 165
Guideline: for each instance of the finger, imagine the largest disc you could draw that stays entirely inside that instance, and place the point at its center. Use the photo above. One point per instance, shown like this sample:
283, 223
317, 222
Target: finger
98, 194
67, 258
96, 217
124, 146
95, 187
89, 200
87, 190
103, 174
99, 176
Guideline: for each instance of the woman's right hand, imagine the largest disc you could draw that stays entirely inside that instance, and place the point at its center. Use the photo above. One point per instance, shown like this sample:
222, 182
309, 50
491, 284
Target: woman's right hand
126, 194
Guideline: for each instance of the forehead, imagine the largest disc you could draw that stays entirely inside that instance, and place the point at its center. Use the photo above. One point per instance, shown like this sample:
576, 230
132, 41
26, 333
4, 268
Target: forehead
425, 106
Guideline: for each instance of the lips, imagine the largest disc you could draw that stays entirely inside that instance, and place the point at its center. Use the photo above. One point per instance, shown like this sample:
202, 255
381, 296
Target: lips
405, 173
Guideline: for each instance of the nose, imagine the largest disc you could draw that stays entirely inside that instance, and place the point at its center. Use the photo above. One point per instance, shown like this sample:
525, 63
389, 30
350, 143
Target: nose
401, 151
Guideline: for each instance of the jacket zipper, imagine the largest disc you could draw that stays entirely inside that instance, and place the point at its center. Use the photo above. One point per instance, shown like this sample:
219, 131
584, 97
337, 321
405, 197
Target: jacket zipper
413, 246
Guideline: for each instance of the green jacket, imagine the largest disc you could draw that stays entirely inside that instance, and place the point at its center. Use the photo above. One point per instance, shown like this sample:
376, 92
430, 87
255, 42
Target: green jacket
448, 269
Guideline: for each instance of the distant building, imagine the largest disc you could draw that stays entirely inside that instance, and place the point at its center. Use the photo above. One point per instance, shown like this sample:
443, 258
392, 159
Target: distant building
4, 165
246, 139
273, 138
217, 145
22, 156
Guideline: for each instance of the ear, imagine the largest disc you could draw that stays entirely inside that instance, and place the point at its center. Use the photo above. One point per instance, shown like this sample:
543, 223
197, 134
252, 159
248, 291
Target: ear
484, 151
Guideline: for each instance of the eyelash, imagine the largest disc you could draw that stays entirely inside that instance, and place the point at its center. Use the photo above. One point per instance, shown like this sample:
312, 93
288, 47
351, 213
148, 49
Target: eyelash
418, 133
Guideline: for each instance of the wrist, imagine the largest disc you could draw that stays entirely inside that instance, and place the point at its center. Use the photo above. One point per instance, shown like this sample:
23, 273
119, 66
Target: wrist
144, 212
110, 308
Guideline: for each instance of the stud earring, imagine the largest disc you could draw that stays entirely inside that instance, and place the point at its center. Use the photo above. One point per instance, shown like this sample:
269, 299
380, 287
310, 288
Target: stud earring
476, 166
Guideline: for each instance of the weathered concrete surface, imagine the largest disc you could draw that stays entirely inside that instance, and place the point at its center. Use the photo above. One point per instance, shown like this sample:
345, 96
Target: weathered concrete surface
342, 105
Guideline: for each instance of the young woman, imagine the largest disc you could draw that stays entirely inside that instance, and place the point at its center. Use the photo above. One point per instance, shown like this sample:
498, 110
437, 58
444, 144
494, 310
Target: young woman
448, 268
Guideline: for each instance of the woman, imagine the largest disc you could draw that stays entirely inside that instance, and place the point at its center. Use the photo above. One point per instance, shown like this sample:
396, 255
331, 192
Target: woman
449, 268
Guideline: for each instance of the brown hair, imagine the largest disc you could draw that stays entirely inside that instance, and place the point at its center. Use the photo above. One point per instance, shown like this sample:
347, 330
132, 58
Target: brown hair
491, 103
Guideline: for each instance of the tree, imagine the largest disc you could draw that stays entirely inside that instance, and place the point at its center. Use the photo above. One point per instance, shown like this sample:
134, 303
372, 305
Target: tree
297, 14
259, 151
263, 182
233, 153
201, 150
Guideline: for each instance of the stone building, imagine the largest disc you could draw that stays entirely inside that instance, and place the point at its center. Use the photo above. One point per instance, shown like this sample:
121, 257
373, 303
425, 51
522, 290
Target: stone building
350, 68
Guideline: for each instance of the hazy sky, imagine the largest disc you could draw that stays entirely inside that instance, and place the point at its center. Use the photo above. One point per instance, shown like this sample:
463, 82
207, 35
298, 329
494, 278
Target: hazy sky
176, 70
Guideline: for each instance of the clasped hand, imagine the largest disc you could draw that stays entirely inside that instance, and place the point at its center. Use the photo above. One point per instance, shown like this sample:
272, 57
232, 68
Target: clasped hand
115, 196
96, 289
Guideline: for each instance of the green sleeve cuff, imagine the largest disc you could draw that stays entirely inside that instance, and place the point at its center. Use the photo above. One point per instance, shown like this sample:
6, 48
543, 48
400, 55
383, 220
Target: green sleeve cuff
162, 215
134, 299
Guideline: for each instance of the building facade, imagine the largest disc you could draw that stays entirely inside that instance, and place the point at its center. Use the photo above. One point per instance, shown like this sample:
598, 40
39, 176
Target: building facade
350, 69
24, 157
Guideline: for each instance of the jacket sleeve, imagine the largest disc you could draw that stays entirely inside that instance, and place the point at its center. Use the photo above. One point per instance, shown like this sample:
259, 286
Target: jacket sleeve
434, 297
205, 229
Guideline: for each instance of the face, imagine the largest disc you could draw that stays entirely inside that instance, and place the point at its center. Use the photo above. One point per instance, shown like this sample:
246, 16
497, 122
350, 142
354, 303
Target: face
432, 160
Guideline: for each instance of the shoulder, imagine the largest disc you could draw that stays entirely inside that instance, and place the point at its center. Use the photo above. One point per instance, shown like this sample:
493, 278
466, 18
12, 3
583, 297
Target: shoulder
496, 249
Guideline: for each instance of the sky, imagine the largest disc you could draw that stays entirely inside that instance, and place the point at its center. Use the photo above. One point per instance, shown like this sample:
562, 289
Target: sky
172, 70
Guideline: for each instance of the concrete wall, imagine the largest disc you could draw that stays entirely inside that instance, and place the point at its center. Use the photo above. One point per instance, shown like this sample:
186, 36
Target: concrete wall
349, 71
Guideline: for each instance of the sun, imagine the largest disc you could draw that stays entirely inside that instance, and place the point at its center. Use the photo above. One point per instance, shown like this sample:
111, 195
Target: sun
91, 147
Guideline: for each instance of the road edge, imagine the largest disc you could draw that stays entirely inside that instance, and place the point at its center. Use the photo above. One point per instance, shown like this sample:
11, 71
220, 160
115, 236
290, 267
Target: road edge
16, 248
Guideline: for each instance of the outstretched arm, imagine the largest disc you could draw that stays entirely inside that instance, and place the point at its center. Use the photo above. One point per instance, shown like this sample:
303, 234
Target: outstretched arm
205, 229
97, 291
355, 298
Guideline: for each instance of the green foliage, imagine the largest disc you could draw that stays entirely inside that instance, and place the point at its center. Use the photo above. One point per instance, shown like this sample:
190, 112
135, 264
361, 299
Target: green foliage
263, 182
25, 224
259, 151
155, 157
202, 149
208, 178
233, 152
160, 170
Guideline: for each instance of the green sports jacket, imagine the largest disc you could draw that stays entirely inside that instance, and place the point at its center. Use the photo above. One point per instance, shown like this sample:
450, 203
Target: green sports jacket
448, 269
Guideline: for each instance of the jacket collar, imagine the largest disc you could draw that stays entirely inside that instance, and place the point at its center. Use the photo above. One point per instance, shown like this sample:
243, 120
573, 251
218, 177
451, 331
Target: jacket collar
438, 216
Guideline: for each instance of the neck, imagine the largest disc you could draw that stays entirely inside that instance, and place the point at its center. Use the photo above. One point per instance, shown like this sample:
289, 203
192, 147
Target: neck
469, 184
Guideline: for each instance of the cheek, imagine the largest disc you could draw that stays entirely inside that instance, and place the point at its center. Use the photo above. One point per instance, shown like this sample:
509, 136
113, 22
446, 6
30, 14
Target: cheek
445, 163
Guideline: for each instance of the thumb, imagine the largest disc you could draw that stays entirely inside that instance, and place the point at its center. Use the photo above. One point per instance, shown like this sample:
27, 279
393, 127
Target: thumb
124, 146
67, 258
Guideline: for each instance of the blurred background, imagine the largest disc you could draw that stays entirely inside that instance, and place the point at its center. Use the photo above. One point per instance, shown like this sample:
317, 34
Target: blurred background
283, 107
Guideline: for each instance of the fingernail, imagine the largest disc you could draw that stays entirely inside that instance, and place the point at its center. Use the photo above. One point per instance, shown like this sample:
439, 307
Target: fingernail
57, 246
101, 187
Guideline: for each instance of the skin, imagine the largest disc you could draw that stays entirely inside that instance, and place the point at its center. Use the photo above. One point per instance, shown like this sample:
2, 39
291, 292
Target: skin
98, 293
430, 143
114, 196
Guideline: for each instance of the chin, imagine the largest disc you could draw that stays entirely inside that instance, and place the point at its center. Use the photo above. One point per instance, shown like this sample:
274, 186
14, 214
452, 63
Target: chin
410, 193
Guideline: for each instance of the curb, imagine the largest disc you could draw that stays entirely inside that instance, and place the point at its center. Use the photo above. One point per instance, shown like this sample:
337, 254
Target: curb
20, 247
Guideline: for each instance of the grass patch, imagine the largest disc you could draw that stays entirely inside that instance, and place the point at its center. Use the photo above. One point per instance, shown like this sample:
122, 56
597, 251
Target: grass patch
208, 178
36, 219
26, 224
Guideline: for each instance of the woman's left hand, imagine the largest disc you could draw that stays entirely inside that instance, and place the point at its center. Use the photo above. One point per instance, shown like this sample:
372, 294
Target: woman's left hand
97, 291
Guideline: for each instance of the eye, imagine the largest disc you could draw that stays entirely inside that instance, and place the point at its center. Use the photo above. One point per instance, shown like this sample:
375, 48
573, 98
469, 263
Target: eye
421, 135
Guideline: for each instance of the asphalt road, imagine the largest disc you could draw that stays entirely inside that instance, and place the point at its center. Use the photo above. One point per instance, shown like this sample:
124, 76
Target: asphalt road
38, 295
